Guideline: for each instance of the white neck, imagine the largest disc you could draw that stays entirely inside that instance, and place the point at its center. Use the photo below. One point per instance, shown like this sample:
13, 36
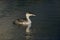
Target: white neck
28, 19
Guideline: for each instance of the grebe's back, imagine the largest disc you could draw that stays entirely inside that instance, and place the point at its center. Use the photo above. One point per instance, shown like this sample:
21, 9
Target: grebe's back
21, 22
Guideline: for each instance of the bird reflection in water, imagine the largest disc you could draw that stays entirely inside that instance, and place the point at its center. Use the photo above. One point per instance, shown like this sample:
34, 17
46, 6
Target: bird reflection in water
29, 37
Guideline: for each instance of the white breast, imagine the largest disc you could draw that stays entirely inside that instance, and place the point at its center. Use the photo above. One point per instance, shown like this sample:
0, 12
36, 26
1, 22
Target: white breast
25, 23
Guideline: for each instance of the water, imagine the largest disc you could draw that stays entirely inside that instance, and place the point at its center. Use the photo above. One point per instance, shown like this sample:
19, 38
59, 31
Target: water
45, 26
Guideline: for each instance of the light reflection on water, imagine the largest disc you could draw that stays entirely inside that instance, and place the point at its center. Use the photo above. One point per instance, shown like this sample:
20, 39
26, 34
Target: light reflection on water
29, 37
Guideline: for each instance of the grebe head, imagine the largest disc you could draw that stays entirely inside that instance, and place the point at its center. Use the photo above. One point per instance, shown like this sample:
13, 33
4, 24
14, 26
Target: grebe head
29, 14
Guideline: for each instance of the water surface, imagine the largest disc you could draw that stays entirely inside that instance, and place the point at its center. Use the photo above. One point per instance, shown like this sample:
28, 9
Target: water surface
45, 26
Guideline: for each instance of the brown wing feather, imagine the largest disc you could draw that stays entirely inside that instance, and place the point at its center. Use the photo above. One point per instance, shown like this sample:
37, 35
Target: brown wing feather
19, 20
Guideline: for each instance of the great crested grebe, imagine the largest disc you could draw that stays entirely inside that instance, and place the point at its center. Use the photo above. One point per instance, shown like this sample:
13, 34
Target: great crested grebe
25, 21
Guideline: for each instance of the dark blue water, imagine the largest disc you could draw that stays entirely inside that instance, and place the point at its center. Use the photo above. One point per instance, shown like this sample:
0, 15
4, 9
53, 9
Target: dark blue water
45, 26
